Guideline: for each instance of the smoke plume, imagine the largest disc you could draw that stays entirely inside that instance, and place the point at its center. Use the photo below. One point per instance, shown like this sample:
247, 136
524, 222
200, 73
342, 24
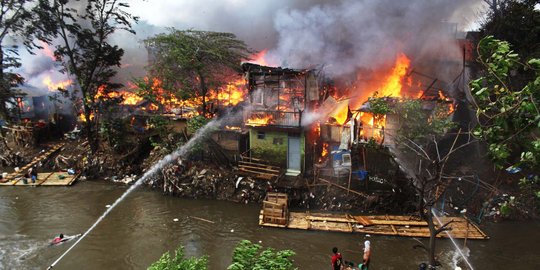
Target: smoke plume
342, 35
347, 35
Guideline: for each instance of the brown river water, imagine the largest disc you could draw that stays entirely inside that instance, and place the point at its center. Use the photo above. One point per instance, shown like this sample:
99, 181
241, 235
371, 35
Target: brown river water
142, 227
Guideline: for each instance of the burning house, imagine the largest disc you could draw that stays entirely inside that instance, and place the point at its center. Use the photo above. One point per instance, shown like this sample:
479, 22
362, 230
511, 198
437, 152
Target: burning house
279, 99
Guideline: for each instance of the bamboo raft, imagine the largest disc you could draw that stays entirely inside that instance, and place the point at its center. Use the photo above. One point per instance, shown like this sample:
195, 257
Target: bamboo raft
46, 179
408, 226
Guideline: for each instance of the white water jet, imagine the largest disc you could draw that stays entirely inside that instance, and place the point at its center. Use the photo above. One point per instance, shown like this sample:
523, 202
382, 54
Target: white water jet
456, 257
183, 150
454, 242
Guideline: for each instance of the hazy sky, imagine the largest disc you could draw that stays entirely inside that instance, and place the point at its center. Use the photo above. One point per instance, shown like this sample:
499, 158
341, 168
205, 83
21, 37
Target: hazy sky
343, 35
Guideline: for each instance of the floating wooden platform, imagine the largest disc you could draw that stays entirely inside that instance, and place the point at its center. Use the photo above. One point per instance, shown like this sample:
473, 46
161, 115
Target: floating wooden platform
382, 225
46, 179
275, 214
16, 176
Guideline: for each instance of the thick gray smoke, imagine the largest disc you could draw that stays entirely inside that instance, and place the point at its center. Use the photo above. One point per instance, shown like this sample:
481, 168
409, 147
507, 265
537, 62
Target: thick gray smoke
350, 34
342, 35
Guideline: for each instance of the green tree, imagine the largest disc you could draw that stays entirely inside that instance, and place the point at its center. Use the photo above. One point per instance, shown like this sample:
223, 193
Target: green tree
179, 262
515, 21
423, 126
509, 118
84, 49
420, 125
14, 20
190, 62
248, 256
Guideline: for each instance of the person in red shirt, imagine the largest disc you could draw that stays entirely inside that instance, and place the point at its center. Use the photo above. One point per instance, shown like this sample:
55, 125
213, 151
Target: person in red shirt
337, 260
58, 239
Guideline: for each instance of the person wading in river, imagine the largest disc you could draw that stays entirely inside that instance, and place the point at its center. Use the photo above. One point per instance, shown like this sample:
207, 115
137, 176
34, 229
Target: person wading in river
337, 260
367, 256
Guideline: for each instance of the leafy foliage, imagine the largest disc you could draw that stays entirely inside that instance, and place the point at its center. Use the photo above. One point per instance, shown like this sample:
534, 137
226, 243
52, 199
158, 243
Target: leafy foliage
14, 20
195, 123
179, 262
248, 256
422, 125
85, 51
516, 21
509, 118
379, 105
166, 140
191, 62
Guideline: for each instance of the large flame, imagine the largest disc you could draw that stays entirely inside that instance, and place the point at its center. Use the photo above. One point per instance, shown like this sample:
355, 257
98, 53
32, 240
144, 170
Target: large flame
230, 94
259, 120
167, 102
387, 82
128, 98
259, 58
394, 82
52, 86
341, 112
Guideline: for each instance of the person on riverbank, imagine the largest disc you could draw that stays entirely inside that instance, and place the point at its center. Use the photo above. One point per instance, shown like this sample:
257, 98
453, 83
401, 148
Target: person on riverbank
337, 259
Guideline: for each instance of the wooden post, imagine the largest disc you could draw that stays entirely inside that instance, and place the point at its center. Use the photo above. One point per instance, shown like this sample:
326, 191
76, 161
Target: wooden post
365, 165
466, 234
350, 176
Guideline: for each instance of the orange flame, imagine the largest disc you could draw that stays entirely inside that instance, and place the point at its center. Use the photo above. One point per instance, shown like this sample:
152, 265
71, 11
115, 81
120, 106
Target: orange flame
259, 58
258, 120
451, 108
393, 84
232, 128
324, 152
386, 83
83, 119
341, 114
55, 86
229, 95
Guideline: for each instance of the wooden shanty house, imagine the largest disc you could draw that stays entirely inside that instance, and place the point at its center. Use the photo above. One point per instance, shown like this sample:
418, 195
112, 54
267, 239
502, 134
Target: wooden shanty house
278, 133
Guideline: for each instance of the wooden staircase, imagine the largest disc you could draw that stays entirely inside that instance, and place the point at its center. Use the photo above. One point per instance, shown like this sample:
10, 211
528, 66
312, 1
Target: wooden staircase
259, 168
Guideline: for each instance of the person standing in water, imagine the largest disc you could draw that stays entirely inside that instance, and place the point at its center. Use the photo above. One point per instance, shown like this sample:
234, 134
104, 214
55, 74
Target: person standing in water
367, 255
337, 260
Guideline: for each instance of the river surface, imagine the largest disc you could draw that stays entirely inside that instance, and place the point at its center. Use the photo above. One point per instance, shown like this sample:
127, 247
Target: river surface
142, 227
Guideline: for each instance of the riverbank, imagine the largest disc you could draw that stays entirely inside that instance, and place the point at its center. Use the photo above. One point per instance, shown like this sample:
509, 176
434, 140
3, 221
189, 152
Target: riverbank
213, 180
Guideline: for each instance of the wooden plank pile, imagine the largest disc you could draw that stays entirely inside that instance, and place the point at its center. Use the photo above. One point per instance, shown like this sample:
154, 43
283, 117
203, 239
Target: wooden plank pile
260, 169
275, 209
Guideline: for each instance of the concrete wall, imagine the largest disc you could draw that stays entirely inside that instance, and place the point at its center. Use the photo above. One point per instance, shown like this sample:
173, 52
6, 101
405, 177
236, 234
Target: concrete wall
274, 146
